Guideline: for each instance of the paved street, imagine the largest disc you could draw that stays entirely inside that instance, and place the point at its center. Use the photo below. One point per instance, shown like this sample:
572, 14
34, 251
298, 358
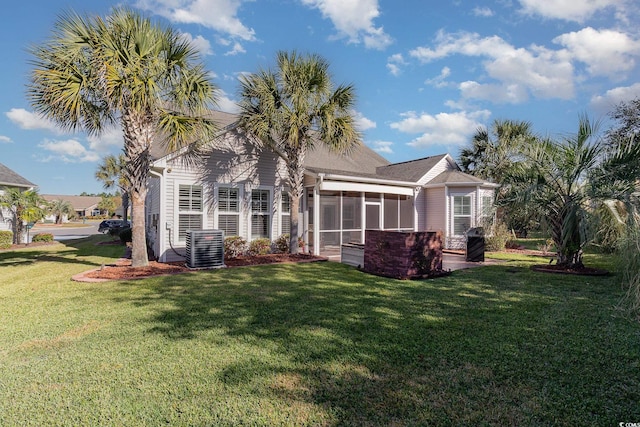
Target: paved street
66, 231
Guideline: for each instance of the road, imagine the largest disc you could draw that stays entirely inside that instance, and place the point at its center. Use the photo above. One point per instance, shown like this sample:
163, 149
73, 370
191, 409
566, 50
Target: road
66, 231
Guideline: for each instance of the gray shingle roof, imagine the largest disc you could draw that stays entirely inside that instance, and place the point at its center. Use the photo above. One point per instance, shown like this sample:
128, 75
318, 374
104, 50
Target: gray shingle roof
411, 170
12, 179
362, 161
456, 177
79, 203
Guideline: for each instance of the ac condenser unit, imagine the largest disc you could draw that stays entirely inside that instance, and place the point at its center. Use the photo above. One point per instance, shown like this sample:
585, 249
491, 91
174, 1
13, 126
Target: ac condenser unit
205, 248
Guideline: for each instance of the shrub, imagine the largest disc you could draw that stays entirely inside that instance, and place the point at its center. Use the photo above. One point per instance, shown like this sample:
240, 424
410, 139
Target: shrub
259, 247
234, 246
42, 237
281, 244
124, 234
6, 239
497, 239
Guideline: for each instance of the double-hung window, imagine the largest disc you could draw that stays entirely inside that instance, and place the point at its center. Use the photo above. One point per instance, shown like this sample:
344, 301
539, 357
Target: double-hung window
285, 213
190, 209
229, 210
260, 214
461, 214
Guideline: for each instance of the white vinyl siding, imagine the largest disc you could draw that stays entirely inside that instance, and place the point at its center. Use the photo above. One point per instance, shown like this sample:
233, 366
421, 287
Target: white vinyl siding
190, 209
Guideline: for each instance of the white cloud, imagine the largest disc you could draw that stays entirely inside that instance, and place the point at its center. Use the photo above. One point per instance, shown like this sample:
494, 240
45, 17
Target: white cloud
227, 104
363, 123
31, 121
381, 146
237, 48
109, 138
603, 104
200, 43
538, 71
354, 19
442, 128
484, 12
394, 62
68, 151
569, 10
439, 80
220, 15
5, 139
606, 52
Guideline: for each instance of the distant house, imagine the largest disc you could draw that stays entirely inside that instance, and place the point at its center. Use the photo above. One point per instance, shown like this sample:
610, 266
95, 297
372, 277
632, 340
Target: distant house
84, 206
10, 179
241, 189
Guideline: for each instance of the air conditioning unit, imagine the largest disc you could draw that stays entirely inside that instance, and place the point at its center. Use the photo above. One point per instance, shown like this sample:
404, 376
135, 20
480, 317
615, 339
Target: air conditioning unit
205, 248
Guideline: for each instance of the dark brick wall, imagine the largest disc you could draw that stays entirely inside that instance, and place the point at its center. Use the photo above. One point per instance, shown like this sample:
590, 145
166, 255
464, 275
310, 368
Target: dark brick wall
403, 255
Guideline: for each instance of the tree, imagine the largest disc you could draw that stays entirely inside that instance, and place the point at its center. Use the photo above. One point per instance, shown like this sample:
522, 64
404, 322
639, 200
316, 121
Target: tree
112, 173
60, 208
25, 206
125, 70
627, 116
107, 203
293, 107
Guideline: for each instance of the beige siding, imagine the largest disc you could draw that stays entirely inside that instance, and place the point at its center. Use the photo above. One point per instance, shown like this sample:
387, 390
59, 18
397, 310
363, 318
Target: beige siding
435, 210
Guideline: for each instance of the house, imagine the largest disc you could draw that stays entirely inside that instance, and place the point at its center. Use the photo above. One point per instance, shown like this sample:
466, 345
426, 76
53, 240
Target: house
241, 189
84, 206
10, 179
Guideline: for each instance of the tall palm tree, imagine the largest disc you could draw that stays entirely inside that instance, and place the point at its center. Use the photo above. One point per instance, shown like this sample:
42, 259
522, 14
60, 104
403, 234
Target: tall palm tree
112, 173
124, 69
293, 107
25, 206
60, 208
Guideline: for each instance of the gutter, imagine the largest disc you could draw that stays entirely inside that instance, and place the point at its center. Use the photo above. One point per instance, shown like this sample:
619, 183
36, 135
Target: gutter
349, 178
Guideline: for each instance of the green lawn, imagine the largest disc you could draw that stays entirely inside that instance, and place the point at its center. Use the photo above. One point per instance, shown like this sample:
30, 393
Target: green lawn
310, 344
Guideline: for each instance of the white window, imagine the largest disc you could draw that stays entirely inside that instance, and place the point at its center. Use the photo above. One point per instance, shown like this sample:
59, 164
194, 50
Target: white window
285, 213
229, 210
189, 209
461, 214
260, 214
487, 206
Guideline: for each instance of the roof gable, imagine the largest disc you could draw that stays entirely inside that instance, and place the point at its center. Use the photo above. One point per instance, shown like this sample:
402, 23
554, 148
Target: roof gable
412, 170
12, 179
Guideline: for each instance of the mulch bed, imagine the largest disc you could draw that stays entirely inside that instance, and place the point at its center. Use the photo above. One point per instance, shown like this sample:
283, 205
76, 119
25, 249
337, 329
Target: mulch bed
561, 269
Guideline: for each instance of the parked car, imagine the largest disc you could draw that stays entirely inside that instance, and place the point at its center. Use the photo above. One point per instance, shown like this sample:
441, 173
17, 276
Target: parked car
112, 224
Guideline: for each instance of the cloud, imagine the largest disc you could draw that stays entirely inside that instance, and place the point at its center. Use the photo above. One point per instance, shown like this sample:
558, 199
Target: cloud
604, 104
439, 80
442, 128
200, 43
68, 151
237, 48
568, 10
483, 12
31, 121
227, 104
538, 71
5, 140
109, 138
394, 62
381, 146
353, 19
363, 123
606, 52
220, 15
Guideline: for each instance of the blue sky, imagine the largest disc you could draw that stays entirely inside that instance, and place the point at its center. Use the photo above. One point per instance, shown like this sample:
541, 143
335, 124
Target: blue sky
427, 74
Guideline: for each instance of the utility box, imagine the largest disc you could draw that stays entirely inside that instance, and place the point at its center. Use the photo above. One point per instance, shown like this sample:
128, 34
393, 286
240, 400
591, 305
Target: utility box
475, 245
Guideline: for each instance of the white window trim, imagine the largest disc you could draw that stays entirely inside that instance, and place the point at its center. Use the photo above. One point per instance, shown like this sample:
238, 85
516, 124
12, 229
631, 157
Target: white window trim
470, 195
272, 209
281, 212
216, 210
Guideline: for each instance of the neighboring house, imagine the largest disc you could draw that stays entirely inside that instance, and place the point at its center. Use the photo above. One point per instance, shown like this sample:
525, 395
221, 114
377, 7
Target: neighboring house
240, 189
9, 178
84, 206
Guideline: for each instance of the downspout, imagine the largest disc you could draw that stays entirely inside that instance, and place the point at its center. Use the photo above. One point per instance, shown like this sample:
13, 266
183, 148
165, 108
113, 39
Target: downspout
316, 214
161, 236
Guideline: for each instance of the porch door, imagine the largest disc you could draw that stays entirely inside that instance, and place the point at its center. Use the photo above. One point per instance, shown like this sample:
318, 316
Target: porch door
372, 216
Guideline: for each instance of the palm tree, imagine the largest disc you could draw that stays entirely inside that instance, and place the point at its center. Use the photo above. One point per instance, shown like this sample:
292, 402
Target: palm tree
112, 173
25, 206
293, 107
60, 208
126, 70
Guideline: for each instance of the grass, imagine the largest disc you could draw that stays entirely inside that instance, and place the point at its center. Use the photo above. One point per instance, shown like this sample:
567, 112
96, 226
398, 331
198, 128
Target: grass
311, 344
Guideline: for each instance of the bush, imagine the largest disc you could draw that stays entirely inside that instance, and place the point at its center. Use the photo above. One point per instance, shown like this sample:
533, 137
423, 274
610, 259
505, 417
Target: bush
497, 239
6, 239
42, 237
259, 247
281, 244
125, 234
234, 246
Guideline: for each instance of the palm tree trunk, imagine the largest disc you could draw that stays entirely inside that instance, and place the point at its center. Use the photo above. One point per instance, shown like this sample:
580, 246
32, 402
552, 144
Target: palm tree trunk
139, 257
295, 171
